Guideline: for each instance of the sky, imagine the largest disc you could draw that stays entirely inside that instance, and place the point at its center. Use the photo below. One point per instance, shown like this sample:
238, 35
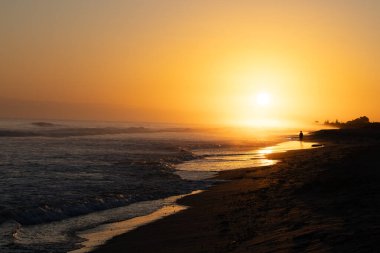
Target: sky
237, 62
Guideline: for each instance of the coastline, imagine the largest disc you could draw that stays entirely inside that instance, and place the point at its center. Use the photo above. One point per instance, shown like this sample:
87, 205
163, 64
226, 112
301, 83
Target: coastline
313, 200
94, 237
147, 172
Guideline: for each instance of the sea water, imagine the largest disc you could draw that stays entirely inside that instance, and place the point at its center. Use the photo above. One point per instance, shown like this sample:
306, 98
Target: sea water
62, 178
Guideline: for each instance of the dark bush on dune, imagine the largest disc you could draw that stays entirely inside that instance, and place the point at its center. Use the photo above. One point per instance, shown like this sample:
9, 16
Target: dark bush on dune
355, 123
362, 121
360, 128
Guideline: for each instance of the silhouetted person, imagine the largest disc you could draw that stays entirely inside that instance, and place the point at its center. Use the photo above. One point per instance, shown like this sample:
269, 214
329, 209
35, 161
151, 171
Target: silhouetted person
301, 136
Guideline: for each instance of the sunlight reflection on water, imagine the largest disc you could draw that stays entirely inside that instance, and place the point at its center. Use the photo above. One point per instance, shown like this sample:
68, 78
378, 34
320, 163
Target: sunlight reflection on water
221, 160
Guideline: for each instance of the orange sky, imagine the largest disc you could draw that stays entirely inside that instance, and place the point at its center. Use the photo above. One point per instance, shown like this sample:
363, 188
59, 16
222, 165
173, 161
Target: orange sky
190, 61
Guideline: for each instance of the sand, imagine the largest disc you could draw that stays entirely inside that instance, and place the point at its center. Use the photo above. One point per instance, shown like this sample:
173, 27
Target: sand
319, 200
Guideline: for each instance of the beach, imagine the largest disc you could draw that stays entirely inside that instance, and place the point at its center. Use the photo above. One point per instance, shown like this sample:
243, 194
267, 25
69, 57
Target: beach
318, 200
189, 126
63, 182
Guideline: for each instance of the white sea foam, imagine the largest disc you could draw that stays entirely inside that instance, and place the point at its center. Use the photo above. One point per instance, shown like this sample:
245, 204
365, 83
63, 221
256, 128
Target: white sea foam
99, 235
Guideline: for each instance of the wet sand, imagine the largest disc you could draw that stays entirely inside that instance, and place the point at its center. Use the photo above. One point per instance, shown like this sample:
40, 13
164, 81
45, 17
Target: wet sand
319, 200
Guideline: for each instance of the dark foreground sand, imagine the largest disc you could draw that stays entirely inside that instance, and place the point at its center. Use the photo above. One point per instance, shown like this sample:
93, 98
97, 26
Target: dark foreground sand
320, 200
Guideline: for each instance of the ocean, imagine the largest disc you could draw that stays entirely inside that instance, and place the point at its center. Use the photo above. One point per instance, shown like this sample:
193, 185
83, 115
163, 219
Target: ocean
60, 178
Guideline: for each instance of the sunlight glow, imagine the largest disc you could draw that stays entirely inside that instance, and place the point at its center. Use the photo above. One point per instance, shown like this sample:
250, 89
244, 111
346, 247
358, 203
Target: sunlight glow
190, 62
266, 151
263, 99
257, 122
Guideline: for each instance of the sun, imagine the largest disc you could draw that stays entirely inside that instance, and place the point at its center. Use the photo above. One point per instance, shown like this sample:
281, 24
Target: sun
263, 99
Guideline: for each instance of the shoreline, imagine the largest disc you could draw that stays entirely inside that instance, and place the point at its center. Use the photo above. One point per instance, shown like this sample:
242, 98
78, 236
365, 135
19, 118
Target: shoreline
303, 203
92, 238
96, 236
101, 235
61, 233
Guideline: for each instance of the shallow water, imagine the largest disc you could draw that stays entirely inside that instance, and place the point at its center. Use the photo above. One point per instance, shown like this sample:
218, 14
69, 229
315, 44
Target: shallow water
47, 182
54, 185
212, 161
99, 235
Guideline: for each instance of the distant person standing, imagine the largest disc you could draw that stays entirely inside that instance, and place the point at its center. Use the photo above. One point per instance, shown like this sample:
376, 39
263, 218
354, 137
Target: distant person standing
301, 136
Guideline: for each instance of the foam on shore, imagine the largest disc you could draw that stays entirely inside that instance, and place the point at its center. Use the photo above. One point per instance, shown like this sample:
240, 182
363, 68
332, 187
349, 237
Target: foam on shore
97, 236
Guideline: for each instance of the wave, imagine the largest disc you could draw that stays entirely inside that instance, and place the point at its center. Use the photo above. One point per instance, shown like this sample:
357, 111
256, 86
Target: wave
48, 213
53, 130
52, 180
44, 124
139, 178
